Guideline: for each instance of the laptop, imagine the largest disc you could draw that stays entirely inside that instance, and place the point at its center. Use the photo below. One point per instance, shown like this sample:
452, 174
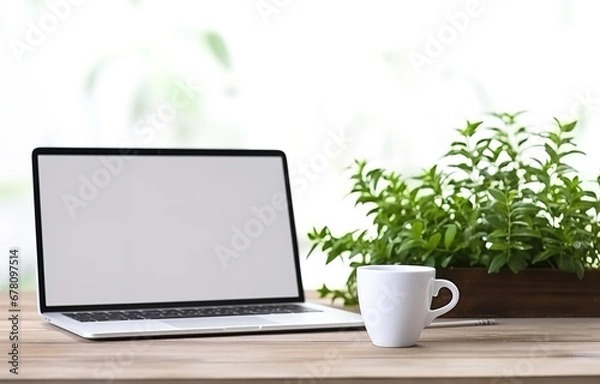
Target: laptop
158, 242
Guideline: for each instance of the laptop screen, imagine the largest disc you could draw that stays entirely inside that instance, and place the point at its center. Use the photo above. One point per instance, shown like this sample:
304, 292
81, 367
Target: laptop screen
163, 226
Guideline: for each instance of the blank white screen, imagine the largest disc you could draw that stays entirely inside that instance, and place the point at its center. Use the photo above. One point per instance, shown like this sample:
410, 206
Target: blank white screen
140, 229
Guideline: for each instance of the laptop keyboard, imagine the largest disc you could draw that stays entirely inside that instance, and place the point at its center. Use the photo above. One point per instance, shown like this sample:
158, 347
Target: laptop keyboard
182, 313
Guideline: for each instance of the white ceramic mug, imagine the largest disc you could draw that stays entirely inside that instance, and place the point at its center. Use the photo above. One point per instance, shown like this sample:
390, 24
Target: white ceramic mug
395, 302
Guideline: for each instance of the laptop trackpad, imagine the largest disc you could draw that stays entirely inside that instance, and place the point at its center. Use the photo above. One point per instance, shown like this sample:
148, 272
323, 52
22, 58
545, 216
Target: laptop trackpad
218, 322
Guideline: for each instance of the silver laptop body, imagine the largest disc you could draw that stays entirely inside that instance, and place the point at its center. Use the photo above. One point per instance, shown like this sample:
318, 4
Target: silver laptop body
153, 242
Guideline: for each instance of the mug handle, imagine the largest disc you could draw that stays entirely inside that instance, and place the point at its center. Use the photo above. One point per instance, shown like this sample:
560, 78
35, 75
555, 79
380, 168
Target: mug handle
438, 284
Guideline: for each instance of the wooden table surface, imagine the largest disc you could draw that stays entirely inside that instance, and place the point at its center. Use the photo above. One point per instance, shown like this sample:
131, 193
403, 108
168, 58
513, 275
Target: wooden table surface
514, 351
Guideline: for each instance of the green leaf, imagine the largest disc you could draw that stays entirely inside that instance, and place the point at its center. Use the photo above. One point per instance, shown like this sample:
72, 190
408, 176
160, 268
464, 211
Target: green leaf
459, 152
516, 263
522, 223
544, 255
312, 249
497, 221
498, 262
520, 246
525, 232
218, 48
497, 194
323, 291
446, 261
416, 229
583, 205
331, 256
449, 235
429, 261
408, 244
471, 128
433, 241
579, 269
498, 245
566, 264
464, 167
568, 127
552, 153
563, 168
522, 141
524, 211
483, 143
374, 176
571, 152
458, 144
498, 233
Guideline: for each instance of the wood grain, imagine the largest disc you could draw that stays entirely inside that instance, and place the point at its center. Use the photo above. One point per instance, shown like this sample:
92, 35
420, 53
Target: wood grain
530, 293
514, 351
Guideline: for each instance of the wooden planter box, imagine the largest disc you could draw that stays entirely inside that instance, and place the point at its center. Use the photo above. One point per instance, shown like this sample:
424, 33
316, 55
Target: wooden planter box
530, 293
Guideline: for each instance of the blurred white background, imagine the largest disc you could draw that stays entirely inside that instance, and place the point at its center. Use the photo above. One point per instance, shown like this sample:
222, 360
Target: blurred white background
326, 81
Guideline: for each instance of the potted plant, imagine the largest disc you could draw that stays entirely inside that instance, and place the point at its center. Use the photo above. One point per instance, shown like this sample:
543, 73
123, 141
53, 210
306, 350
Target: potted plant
502, 202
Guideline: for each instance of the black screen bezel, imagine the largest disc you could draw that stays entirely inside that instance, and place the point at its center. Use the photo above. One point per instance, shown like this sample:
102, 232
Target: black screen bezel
155, 152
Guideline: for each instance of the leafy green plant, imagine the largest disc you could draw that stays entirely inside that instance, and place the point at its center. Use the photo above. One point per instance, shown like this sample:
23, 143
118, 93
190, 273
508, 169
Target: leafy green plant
501, 197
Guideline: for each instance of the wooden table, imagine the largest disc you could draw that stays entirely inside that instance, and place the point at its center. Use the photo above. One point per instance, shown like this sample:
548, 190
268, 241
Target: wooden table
514, 351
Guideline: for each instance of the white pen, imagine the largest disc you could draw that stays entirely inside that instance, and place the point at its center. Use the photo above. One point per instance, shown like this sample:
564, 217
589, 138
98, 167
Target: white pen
461, 323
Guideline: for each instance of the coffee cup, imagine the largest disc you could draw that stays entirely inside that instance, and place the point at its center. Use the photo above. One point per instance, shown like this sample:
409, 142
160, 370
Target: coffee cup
395, 302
